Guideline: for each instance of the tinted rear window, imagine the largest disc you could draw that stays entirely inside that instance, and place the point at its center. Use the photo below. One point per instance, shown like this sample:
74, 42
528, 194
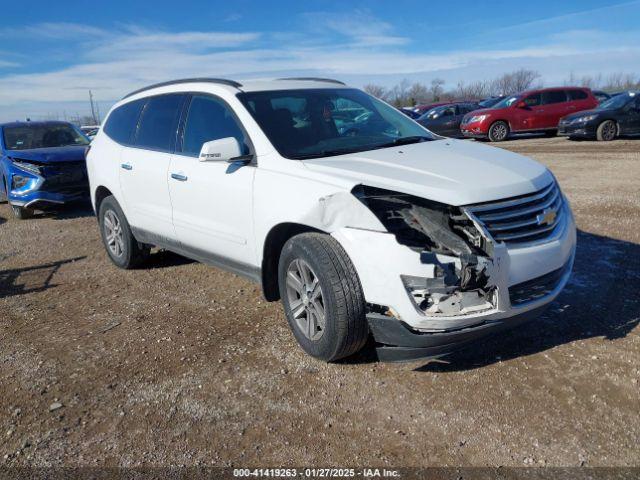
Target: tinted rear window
553, 96
577, 94
159, 122
122, 121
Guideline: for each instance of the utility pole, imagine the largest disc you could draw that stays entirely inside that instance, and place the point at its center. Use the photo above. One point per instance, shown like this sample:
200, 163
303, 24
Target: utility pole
93, 110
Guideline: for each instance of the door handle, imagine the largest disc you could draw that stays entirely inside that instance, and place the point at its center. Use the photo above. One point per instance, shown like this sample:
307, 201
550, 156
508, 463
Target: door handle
178, 176
126, 166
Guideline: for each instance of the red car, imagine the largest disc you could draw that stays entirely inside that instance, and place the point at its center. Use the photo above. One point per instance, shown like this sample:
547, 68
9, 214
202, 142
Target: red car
532, 111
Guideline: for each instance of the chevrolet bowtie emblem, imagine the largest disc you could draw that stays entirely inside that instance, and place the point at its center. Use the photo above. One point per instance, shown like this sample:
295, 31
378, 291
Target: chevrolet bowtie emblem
547, 217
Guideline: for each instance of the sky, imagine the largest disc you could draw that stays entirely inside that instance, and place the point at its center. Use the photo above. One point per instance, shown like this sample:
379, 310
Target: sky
53, 52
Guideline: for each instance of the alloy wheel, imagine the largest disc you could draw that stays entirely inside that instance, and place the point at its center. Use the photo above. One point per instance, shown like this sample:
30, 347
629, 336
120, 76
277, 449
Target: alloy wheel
608, 131
500, 131
306, 300
113, 233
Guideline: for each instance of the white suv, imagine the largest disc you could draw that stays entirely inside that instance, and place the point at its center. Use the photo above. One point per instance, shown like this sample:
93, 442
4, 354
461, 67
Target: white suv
361, 221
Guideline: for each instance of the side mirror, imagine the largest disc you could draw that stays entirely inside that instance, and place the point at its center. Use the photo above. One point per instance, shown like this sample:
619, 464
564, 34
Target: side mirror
222, 150
521, 104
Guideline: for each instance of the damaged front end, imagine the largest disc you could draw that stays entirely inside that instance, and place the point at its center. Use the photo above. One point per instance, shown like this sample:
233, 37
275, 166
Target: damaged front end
463, 256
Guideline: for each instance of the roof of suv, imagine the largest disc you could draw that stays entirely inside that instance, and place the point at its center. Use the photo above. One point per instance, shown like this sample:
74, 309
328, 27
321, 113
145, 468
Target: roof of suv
252, 85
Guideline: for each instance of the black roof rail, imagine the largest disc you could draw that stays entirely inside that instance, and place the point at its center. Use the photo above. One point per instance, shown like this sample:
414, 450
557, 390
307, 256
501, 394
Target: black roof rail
314, 79
221, 81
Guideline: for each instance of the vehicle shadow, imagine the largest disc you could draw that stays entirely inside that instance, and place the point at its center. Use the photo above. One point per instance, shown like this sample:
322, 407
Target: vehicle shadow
76, 210
600, 300
165, 259
21, 281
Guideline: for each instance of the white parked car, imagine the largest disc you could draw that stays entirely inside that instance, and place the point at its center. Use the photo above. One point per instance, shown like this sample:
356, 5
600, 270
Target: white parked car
374, 228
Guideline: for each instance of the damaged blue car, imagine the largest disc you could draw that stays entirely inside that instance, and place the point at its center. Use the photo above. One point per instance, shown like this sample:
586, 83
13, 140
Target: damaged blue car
42, 164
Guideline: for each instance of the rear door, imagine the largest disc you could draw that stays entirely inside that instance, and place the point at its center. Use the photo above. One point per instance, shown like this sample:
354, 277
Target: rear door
441, 120
579, 100
630, 118
144, 167
449, 120
555, 105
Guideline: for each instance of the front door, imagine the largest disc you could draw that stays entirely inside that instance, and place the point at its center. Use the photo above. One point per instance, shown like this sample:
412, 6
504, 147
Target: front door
144, 167
528, 117
212, 200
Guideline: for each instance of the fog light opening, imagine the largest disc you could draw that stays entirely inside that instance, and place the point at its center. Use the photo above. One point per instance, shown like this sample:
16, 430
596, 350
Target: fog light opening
18, 181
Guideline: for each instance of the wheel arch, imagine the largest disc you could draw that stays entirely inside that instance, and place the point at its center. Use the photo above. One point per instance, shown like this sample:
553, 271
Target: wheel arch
501, 120
615, 122
101, 193
274, 241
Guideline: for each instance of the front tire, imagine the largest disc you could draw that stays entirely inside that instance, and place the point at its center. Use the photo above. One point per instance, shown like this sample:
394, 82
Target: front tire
122, 247
21, 213
322, 297
607, 131
4, 195
498, 131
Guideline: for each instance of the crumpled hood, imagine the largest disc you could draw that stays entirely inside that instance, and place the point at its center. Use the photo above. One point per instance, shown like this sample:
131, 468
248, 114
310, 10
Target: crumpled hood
50, 155
454, 172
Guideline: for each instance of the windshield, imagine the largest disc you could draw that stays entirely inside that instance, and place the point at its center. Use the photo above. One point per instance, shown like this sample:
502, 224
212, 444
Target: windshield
435, 113
323, 122
506, 102
618, 101
489, 102
26, 137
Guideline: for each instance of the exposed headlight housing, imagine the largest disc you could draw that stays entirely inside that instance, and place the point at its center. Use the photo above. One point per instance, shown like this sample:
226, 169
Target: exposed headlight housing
26, 166
447, 238
424, 225
19, 181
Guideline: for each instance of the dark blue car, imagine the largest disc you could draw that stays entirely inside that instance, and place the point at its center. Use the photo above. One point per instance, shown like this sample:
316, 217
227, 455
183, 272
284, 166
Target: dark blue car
42, 164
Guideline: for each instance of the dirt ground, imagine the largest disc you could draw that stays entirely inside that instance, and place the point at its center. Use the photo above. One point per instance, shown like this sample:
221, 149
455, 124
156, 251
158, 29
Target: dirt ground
184, 364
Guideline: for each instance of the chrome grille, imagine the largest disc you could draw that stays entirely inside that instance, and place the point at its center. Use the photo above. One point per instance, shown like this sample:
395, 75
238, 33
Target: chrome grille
523, 219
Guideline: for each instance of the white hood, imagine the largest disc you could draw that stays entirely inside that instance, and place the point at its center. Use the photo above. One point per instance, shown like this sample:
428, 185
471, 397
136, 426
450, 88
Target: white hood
454, 172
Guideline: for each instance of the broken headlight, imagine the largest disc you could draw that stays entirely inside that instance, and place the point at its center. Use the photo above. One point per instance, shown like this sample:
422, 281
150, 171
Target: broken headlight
27, 166
446, 238
422, 224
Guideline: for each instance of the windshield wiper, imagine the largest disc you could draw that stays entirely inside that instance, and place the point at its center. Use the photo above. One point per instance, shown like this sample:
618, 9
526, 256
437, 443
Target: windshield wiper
364, 148
405, 141
324, 153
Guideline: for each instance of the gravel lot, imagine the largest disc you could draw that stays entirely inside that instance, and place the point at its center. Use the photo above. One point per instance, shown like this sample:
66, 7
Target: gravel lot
183, 364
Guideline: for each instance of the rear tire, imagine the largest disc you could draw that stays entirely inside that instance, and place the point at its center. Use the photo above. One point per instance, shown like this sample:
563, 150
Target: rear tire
498, 131
551, 133
607, 131
322, 297
122, 247
4, 194
21, 213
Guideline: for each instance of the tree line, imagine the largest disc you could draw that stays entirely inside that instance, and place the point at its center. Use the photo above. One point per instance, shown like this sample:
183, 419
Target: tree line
406, 94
